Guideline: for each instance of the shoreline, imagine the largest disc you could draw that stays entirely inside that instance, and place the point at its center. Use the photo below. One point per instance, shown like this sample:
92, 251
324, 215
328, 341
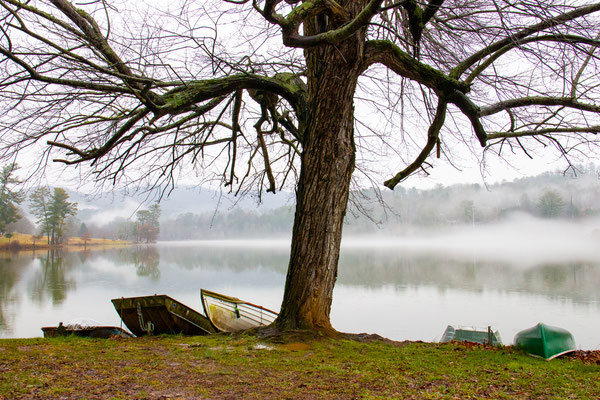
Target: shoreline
25, 242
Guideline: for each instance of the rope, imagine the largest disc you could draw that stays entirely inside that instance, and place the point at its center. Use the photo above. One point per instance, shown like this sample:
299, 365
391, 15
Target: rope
146, 328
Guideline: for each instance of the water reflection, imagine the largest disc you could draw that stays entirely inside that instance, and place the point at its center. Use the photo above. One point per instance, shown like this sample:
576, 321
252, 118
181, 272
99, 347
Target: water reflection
12, 266
427, 288
52, 280
146, 261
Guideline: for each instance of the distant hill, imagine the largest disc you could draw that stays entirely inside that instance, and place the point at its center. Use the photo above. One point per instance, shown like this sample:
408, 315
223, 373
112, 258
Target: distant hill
194, 213
184, 199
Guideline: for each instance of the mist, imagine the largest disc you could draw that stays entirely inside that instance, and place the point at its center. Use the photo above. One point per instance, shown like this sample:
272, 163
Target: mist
103, 216
519, 239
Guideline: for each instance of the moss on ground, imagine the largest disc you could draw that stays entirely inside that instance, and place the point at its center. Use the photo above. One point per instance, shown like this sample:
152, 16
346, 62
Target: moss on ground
220, 366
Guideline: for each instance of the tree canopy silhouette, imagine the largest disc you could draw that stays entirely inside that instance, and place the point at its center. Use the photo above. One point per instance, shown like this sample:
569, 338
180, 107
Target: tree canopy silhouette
269, 93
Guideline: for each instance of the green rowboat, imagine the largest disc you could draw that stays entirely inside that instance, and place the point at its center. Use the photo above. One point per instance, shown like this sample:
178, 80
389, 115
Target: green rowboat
461, 334
545, 341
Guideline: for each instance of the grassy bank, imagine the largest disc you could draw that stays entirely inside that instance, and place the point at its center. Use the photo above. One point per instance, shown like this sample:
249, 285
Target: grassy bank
222, 367
20, 241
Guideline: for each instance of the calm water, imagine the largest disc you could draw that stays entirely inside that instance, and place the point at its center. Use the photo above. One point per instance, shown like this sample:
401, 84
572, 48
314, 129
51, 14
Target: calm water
410, 292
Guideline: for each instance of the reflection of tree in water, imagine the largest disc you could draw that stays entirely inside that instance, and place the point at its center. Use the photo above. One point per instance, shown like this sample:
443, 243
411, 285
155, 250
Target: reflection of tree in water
52, 280
146, 260
12, 267
82, 256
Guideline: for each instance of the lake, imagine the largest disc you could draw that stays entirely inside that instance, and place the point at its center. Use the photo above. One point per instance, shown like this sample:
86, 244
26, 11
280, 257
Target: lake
398, 288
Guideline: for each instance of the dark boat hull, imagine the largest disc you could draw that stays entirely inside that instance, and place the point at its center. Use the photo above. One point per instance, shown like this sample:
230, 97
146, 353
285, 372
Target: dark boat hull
160, 314
103, 332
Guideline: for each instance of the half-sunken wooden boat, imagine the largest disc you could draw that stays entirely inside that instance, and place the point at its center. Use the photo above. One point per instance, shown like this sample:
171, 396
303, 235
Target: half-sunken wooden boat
103, 332
230, 314
462, 334
545, 341
160, 314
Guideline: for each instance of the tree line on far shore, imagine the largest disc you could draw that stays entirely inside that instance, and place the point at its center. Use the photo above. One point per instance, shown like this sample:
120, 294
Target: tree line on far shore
56, 215
50, 207
548, 196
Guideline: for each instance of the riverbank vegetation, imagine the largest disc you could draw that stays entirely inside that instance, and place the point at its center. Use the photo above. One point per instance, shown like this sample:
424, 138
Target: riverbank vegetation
20, 241
225, 367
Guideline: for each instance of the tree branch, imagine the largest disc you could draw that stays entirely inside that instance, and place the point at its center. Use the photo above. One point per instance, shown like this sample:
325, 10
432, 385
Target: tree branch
432, 139
595, 129
538, 101
96, 153
559, 38
449, 89
62, 82
182, 98
292, 38
513, 40
92, 34
265, 153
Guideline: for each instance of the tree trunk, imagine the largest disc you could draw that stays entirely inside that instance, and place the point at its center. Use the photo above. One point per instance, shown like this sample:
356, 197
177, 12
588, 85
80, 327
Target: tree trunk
327, 164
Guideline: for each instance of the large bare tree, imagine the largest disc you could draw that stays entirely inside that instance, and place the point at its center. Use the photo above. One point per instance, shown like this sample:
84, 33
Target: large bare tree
269, 93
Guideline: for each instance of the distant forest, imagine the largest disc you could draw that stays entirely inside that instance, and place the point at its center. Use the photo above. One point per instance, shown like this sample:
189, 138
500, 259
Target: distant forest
550, 195
571, 195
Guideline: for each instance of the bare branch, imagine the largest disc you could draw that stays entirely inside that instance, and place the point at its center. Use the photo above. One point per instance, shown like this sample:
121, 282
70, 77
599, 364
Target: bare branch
538, 101
514, 39
450, 90
595, 129
309, 8
432, 139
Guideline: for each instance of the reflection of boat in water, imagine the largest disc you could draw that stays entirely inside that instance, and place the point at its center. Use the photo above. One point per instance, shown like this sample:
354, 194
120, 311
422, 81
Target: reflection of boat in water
545, 341
85, 329
462, 334
230, 314
160, 314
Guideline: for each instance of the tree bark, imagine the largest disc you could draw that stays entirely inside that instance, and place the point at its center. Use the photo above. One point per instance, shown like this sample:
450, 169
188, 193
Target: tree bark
328, 160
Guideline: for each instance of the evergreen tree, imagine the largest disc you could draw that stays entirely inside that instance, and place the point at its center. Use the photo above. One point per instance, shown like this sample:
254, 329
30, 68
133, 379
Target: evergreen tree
9, 197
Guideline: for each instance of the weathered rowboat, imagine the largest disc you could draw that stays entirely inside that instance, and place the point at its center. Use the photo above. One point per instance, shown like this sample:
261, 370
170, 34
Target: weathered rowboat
230, 314
545, 341
462, 334
103, 332
160, 314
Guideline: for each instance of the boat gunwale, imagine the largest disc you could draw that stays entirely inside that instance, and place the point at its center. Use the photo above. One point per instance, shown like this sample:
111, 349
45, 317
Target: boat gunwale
230, 299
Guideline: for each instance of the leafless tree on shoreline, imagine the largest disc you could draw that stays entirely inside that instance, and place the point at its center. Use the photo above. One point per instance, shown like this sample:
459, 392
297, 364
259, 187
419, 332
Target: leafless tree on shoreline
135, 95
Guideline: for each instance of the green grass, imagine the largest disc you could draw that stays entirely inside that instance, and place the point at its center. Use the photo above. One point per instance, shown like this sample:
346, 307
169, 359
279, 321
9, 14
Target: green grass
217, 366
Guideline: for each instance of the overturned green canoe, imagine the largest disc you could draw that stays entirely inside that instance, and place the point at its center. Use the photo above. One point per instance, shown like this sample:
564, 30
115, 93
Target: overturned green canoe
545, 341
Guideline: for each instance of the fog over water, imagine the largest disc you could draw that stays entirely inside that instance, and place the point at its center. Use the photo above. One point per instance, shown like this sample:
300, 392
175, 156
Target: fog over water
510, 275
520, 240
